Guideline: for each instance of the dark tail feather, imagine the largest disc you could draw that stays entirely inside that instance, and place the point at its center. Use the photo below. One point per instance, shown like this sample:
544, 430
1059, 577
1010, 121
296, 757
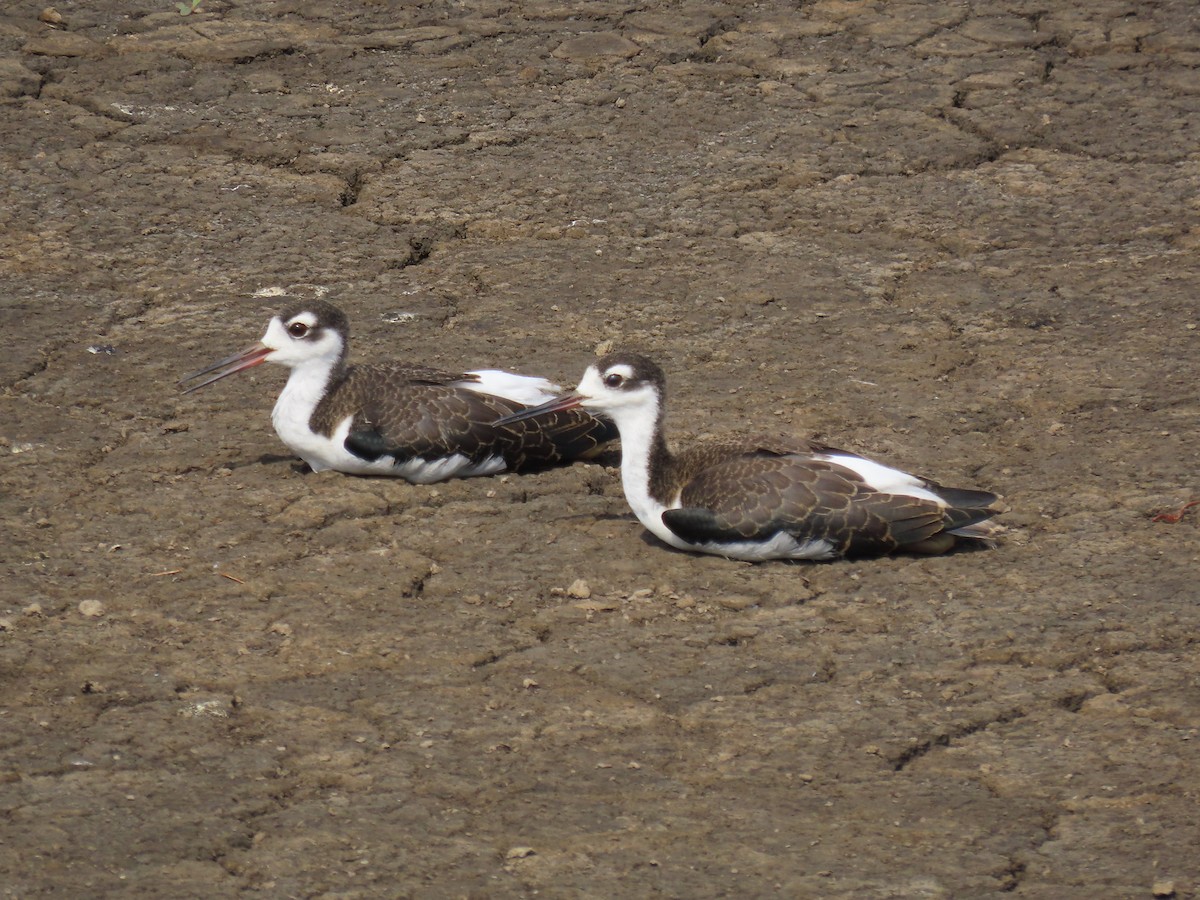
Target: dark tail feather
913, 529
969, 513
561, 437
580, 435
960, 498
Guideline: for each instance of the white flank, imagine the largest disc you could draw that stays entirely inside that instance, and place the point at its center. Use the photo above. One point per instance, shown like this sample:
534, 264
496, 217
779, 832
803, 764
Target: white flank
882, 478
323, 453
527, 389
781, 546
422, 471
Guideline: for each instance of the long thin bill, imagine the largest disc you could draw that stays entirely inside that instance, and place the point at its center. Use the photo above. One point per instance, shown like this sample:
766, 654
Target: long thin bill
246, 359
558, 404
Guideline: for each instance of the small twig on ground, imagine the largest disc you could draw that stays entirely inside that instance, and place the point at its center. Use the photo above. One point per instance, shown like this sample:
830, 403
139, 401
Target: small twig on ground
231, 577
1173, 517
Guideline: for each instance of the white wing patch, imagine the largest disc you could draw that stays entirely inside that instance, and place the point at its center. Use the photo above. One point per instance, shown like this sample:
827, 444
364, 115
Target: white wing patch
527, 389
882, 478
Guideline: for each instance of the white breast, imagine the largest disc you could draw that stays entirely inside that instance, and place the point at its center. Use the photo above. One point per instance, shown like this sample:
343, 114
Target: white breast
293, 411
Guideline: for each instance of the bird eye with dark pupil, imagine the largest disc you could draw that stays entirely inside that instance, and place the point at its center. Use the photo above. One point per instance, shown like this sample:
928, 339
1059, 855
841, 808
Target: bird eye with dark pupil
297, 329
613, 380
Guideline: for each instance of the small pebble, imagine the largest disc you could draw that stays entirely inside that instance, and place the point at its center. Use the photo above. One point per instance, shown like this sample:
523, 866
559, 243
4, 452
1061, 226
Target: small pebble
91, 608
579, 589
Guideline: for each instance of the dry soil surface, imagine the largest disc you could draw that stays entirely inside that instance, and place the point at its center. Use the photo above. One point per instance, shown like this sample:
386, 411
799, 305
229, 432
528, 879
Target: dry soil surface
961, 237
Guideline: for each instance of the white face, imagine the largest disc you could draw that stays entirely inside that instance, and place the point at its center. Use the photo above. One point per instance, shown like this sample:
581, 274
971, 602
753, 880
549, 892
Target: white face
616, 391
299, 340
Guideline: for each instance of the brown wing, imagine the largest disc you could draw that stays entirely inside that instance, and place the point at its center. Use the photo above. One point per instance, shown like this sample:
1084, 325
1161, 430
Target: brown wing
410, 411
756, 495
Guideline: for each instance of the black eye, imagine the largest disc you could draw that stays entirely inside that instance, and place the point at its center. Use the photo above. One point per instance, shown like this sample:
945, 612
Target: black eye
613, 380
298, 329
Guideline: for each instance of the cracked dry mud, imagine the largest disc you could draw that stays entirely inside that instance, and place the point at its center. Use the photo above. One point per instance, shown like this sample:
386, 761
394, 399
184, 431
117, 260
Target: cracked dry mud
958, 237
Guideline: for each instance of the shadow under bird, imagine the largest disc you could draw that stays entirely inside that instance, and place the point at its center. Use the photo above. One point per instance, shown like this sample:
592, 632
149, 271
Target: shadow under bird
408, 421
770, 498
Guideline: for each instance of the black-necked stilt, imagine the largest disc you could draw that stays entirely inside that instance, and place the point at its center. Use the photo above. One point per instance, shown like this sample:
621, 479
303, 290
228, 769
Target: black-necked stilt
770, 498
414, 422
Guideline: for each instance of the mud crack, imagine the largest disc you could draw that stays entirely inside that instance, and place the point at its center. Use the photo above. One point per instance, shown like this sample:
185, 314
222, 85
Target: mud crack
1012, 875
945, 737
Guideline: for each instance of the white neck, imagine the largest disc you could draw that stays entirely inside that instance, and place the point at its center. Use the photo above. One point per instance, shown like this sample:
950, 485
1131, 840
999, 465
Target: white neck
639, 427
293, 410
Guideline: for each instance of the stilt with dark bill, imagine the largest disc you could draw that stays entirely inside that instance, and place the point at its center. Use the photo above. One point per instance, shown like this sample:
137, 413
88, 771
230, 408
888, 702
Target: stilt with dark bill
404, 420
773, 498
